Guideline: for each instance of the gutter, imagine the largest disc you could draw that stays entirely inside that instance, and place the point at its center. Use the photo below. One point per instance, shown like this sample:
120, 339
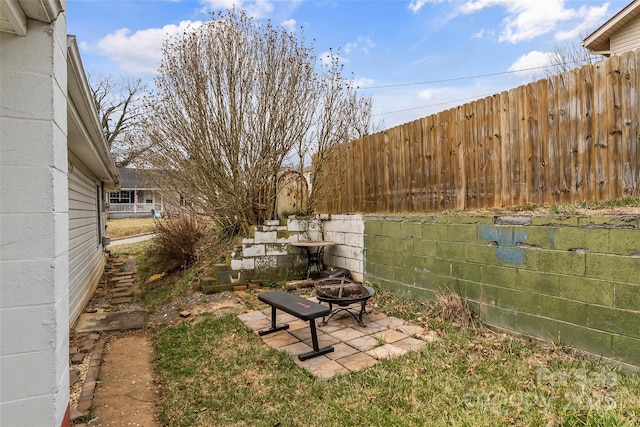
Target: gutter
79, 94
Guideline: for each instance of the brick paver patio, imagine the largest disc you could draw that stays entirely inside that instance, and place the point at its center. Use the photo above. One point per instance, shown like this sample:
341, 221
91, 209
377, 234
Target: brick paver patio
355, 347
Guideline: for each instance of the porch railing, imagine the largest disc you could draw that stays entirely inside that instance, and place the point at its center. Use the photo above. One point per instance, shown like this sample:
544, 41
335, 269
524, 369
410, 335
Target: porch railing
134, 207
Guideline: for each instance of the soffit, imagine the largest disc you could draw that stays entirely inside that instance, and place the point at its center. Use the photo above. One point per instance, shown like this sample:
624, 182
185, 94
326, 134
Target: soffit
14, 13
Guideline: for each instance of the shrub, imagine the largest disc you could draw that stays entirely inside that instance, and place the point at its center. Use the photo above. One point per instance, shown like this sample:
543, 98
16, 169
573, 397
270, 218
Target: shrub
179, 241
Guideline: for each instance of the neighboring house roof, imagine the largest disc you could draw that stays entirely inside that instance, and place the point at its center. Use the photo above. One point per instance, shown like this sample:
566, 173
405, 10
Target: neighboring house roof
600, 41
135, 178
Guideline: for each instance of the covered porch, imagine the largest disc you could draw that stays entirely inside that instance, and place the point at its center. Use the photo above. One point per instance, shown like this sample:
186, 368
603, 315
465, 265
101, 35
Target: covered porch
135, 203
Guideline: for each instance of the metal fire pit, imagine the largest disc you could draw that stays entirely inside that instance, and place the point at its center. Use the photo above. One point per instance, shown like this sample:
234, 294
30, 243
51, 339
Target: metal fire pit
344, 304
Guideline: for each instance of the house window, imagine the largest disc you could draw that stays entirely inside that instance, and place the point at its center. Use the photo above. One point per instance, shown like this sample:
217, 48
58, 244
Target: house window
124, 196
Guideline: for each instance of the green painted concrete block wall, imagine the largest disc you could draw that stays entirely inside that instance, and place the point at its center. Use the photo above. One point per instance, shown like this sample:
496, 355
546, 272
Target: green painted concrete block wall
569, 280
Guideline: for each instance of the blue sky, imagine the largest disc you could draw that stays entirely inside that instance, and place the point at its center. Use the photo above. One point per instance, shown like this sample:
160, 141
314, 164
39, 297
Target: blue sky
414, 57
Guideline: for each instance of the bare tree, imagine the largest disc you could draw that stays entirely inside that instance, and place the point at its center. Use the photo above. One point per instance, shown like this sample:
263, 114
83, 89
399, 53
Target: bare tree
235, 99
568, 56
117, 101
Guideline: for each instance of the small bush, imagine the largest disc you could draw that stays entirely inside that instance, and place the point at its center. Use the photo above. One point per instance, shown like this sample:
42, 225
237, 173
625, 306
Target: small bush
179, 242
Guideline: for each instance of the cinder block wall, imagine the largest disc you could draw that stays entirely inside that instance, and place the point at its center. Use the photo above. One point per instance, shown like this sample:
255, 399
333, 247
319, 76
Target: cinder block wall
574, 281
348, 233
267, 253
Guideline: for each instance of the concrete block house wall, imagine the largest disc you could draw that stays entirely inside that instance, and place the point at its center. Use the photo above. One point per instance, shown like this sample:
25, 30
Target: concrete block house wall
54, 169
34, 310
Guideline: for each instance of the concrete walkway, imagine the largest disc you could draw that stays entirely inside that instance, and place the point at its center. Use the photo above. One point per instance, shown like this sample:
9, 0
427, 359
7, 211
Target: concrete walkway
130, 240
355, 347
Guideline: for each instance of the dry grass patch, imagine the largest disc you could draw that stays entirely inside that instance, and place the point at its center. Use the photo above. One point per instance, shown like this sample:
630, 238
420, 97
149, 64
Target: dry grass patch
451, 307
128, 227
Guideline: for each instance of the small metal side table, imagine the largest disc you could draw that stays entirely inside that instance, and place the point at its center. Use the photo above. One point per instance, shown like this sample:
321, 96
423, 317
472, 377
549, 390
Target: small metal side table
315, 250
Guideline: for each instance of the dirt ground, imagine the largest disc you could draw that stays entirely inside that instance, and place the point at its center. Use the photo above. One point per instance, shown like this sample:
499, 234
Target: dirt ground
127, 394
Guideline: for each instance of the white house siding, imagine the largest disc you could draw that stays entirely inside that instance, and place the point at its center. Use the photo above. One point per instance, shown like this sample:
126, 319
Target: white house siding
86, 254
628, 38
34, 232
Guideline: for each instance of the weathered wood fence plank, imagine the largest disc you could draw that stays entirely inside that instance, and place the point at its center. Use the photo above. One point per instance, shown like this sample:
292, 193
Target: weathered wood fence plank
568, 138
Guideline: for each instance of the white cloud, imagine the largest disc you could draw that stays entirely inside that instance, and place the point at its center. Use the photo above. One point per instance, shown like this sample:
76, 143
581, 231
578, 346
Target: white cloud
84, 47
289, 25
259, 8
140, 52
362, 44
484, 34
349, 47
593, 17
431, 94
528, 19
529, 64
416, 5
222, 4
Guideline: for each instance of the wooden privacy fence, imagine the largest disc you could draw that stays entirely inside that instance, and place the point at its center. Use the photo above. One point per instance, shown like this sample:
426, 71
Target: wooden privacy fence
568, 138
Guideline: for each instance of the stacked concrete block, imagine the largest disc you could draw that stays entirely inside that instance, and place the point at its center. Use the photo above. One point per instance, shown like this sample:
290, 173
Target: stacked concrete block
348, 233
305, 228
268, 254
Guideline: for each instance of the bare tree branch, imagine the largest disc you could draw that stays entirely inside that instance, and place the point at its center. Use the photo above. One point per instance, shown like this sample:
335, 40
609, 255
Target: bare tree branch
568, 56
117, 102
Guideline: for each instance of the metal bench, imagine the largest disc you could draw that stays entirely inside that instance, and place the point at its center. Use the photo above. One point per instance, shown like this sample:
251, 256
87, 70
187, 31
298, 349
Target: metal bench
302, 309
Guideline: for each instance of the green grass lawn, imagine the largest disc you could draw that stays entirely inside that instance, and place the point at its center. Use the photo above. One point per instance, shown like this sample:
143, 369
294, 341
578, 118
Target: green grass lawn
218, 372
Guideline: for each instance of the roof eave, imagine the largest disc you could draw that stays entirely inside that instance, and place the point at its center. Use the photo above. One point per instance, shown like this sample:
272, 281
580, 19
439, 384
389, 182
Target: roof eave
600, 39
14, 13
83, 115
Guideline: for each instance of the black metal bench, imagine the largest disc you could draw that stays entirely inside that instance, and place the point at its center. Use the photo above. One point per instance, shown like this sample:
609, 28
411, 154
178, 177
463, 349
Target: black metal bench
302, 309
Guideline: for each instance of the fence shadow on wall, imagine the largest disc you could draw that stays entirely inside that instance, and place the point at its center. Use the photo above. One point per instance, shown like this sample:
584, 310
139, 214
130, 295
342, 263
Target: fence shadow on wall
571, 137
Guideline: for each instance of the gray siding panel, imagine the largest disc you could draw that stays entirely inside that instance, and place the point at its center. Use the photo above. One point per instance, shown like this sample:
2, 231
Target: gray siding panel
86, 255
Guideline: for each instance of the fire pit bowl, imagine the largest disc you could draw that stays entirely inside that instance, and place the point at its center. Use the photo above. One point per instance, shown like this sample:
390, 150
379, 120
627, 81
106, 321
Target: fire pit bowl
344, 300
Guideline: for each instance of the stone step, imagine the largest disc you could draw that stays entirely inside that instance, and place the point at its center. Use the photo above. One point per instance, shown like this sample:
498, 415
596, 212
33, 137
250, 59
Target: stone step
209, 285
124, 285
122, 293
